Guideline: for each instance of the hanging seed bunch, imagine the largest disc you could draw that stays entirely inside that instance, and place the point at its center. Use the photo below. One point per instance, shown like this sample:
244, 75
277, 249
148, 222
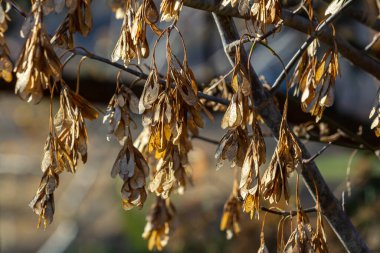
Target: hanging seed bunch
304, 238
159, 224
286, 157
315, 79
78, 19
375, 115
53, 164
70, 126
231, 217
132, 42
233, 145
130, 164
170, 9
38, 63
232, 211
300, 239
250, 182
67, 141
118, 116
171, 111
6, 65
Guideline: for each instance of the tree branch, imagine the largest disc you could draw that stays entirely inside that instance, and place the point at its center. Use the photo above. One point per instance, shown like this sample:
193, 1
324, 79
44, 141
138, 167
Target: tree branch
17, 8
287, 213
358, 57
358, 142
140, 74
306, 44
362, 15
230, 46
330, 206
215, 6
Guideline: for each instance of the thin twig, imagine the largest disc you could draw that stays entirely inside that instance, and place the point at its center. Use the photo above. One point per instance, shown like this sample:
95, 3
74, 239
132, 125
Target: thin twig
375, 38
287, 213
141, 74
232, 45
348, 172
17, 8
206, 139
312, 158
306, 44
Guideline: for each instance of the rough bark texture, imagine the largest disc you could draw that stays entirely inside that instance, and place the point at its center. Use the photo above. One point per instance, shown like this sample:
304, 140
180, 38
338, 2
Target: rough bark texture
267, 109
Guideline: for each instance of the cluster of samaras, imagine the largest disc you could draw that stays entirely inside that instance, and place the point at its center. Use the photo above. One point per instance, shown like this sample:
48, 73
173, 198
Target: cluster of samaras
171, 113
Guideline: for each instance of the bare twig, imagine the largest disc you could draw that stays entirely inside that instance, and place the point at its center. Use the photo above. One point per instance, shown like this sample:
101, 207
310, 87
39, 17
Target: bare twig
287, 213
17, 8
309, 160
140, 74
206, 139
232, 45
306, 44
330, 206
374, 40
348, 172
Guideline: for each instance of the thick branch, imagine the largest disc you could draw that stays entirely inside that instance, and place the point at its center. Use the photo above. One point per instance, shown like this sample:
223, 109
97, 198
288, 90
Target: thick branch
357, 57
358, 14
267, 109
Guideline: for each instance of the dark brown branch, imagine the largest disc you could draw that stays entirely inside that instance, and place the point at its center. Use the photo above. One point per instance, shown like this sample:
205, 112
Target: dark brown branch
287, 213
232, 45
357, 57
267, 109
209, 140
306, 44
141, 74
361, 143
215, 6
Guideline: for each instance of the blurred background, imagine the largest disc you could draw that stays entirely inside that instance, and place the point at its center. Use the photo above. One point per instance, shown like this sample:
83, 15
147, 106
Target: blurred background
89, 216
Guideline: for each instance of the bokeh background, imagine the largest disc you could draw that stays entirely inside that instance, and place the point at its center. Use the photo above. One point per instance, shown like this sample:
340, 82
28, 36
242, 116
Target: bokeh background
89, 216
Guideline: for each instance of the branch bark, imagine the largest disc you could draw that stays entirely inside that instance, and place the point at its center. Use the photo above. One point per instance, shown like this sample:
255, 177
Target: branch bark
358, 57
332, 210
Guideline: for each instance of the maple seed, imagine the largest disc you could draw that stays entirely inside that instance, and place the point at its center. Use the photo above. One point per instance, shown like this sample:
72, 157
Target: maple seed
286, 157
231, 217
159, 224
37, 63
